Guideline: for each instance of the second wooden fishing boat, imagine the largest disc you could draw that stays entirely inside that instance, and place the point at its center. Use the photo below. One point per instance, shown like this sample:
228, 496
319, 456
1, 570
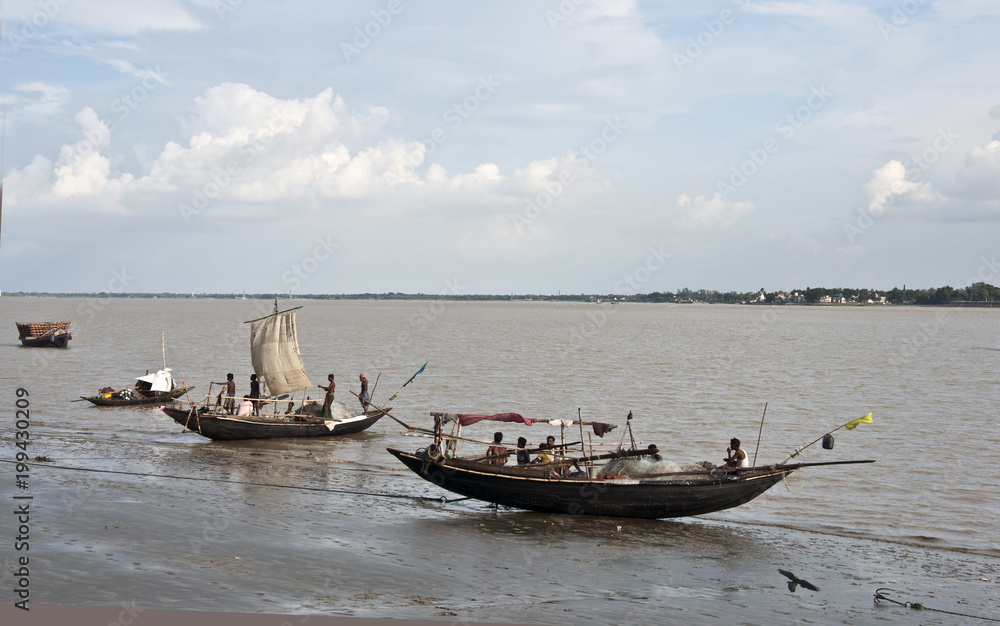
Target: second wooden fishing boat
624, 484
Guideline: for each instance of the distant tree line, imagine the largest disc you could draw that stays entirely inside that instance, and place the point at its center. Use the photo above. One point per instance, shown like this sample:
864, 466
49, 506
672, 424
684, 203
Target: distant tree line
978, 292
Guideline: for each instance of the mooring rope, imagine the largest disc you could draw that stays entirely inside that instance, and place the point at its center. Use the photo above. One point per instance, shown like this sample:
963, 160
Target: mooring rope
441, 499
882, 593
798, 479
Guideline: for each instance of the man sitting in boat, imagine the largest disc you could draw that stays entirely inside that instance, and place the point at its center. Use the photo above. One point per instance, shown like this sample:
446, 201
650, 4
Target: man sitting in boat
735, 458
543, 455
523, 458
497, 454
245, 406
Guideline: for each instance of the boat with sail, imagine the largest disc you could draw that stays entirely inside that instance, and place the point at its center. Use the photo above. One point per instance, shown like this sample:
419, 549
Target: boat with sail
274, 354
626, 481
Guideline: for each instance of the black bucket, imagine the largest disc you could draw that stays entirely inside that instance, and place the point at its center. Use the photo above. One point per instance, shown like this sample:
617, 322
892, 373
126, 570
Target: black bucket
828, 442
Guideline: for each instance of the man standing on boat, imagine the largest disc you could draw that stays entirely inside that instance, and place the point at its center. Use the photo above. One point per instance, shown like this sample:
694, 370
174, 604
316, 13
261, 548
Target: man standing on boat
497, 454
329, 395
363, 396
255, 393
735, 458
230, 394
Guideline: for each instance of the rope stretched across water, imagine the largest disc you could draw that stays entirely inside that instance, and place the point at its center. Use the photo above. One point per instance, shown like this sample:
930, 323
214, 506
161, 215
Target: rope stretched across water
882, 593
238, 482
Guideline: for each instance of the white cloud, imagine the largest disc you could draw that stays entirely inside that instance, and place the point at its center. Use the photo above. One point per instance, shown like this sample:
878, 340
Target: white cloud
118, 18
889, 188
41, 99
80, 180
821, 11
249, 147
715, 213
127, 68
980, 178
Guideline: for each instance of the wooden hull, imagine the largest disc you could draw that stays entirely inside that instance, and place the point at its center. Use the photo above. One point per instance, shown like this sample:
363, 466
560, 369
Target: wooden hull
159, 398
231, 427
644, 498
60, 340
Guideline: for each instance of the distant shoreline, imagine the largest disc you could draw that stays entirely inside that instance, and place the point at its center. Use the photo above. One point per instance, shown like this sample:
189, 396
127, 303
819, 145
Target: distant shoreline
574, 298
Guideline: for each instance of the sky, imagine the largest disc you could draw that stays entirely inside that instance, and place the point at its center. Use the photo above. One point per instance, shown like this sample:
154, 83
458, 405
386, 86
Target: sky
526, 147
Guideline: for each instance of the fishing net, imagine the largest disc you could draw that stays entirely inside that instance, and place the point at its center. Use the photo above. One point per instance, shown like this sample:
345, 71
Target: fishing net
634, 466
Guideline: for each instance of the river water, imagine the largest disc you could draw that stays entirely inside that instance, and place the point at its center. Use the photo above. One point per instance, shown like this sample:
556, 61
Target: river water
923, 520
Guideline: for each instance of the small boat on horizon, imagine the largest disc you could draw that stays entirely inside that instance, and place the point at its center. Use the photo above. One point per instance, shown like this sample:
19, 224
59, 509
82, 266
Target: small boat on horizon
44, 334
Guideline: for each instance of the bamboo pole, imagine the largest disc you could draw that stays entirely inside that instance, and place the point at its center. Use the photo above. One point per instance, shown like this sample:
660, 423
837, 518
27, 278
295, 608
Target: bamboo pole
758, 436
371, 394
579, 417
799, 451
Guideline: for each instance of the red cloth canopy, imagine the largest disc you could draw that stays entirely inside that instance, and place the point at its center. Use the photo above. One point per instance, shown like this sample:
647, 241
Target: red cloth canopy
465, 419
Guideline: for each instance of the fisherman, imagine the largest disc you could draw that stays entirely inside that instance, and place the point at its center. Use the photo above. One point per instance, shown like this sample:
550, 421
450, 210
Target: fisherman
523, 458
363, 396
653, 455
543, 455
550, 441
329, 396
735, 457
255, 393
497, 454
230, 394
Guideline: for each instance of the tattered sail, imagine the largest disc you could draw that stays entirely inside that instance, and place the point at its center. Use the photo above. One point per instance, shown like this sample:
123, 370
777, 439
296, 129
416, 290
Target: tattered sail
274, 352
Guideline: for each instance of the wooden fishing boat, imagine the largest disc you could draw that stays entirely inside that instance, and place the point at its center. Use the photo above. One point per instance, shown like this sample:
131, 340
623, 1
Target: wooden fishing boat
44, 334
222, 427
626, 482
116, 398
274, 354
155, 388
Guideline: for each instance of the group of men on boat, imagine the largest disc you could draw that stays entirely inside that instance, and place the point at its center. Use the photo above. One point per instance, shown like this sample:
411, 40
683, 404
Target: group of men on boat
251, 403
498, 454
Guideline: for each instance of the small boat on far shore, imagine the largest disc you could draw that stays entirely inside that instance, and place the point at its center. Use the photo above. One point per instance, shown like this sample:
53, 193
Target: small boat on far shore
44, 334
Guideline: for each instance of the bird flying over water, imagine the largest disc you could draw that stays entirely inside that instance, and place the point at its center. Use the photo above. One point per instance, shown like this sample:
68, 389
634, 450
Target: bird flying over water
795, 580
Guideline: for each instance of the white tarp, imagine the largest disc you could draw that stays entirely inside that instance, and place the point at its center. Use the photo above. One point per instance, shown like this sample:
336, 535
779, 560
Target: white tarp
159, 381
274, 352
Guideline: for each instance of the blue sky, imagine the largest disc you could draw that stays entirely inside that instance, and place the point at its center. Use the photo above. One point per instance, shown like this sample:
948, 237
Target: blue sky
515, 147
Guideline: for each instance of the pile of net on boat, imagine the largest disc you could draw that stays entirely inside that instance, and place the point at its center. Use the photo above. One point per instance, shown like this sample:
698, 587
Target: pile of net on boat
338, 410
638, 466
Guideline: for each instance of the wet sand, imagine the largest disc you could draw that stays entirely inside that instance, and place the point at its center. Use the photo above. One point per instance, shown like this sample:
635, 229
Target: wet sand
225, 545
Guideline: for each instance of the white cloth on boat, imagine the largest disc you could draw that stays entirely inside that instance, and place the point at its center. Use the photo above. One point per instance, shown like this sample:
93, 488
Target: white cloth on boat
561, 422
159, 381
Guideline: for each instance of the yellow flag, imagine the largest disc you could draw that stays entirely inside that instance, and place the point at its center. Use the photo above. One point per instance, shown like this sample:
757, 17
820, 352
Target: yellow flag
867, 419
